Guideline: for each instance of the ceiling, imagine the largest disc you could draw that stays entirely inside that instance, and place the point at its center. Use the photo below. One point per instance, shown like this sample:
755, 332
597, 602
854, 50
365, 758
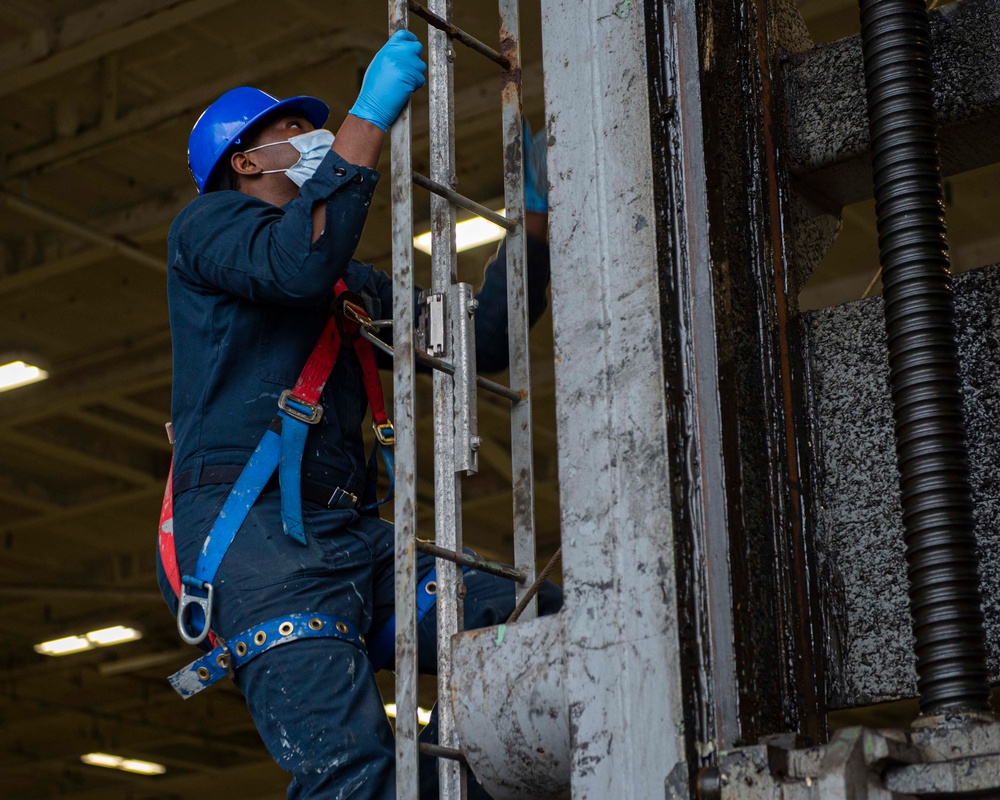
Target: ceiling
97, 101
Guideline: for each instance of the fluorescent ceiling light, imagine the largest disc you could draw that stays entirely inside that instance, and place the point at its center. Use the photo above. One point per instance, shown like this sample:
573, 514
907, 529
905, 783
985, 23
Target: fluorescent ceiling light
64, 646
117, 634
468, 234
423, 715
124, 764
104, 637
18, 373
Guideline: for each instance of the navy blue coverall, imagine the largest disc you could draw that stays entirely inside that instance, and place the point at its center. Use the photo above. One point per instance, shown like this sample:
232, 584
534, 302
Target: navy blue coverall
249, 294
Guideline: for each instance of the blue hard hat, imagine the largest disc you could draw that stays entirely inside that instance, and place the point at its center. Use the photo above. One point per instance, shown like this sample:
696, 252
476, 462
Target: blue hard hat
221, 125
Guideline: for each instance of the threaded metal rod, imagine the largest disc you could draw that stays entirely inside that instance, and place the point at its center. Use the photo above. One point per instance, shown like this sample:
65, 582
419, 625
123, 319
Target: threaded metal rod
923, 359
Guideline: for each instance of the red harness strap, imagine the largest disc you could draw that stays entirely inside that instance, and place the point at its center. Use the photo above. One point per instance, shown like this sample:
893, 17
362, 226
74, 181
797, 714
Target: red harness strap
307, 389
165, 536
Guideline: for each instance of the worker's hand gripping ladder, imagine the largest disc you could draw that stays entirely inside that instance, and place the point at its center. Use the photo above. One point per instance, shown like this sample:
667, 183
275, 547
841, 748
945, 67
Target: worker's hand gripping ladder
450, 337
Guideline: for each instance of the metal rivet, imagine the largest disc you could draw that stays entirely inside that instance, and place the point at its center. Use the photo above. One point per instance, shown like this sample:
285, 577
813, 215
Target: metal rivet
361, 638
285, 628
316, 624
203, 673
342, 627
222, 661
241, 649
431, 587
260, 637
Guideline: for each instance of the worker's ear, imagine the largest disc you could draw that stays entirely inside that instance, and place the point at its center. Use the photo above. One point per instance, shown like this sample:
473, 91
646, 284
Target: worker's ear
245, 164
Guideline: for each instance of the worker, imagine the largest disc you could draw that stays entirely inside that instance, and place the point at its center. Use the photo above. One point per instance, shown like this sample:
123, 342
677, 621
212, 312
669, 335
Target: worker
257, 261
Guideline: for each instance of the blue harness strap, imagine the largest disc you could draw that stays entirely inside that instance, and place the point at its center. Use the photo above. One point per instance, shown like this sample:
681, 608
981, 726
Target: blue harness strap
294, 430
389, 461
244, 647
195, 608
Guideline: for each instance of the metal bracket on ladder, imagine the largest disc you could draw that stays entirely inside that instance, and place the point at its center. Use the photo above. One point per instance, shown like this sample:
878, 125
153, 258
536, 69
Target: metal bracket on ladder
432, 323
463, 339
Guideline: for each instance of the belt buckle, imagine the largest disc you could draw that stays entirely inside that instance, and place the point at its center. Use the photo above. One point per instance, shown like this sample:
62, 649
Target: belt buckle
314, 410
339, 496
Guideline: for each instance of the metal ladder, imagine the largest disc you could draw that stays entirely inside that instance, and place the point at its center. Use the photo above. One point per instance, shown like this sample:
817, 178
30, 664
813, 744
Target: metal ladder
448, 346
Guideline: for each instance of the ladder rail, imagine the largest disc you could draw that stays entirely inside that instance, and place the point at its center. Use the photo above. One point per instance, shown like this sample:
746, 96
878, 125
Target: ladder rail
447, 482
404, 414
517, 313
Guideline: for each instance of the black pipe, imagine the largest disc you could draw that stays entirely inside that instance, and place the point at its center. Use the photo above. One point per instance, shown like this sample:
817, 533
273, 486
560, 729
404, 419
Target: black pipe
923, 360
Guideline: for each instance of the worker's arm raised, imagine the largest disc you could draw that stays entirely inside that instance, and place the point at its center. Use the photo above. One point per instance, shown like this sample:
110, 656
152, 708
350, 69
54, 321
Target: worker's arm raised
393, 75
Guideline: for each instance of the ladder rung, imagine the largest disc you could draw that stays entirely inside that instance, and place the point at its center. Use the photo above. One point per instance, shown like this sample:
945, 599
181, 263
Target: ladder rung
458, 34
463, 202
443, 366
438, 751
474, 562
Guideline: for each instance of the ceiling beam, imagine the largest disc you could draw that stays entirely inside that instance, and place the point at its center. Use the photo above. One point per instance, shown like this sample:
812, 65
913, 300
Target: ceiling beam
139, 222
153, 416
39, 590
121, 714
26, 501
114, 500
139, 219
61, 222
132, 371
49, 270
64, 453
26, 14
190, 103
90, 34
109, 425
470, 102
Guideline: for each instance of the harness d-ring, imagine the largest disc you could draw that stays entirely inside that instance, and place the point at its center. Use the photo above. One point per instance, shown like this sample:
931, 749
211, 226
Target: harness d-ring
189, 601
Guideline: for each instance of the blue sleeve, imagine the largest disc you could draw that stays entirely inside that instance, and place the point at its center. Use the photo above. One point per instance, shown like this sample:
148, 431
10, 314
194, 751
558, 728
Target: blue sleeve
247, 247
491, 315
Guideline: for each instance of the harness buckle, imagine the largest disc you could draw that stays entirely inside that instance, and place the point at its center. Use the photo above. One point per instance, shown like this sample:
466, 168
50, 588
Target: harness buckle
186, 601
384, 432
293, 406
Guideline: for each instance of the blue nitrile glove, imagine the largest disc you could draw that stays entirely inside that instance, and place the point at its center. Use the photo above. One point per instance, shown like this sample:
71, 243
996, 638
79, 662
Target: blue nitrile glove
536, 173
395, 73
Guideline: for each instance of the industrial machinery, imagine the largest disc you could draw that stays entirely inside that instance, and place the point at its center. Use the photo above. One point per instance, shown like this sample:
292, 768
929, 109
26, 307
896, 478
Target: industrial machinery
724, 460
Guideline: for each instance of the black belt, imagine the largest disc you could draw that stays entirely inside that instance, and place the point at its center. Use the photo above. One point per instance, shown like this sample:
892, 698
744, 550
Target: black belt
332, 497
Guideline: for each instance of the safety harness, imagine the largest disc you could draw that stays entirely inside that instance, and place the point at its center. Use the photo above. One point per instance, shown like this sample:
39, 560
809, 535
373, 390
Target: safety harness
281, 448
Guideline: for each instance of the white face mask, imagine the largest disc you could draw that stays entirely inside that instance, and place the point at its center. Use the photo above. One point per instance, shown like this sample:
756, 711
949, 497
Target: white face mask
312, 146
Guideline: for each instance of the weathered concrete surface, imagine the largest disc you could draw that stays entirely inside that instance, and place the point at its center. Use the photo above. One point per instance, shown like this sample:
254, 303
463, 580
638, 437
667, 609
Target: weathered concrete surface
623, 666
511, 709
858, 515
827, 124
